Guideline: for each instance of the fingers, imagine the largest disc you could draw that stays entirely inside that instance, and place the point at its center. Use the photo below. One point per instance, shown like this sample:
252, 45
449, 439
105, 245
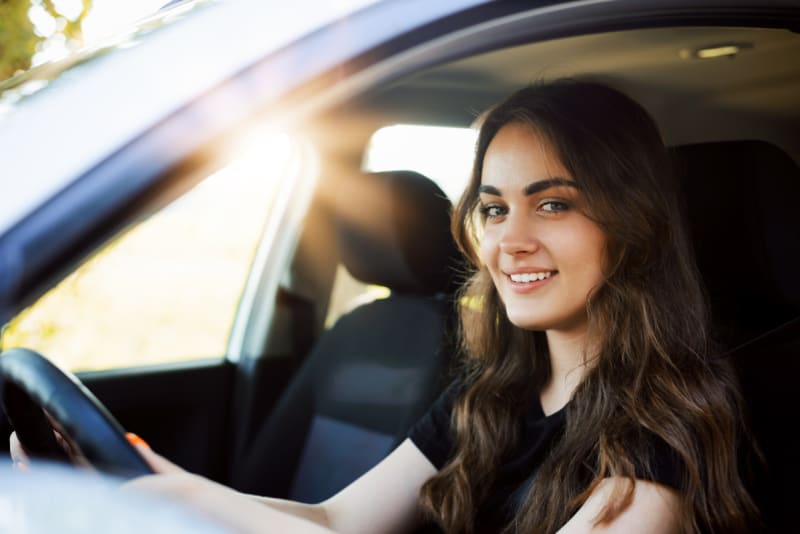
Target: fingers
135, 440
158, 463
18, 455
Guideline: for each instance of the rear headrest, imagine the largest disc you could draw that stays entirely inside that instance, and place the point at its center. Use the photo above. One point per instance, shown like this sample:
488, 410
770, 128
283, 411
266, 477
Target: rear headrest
394, 230
741, 199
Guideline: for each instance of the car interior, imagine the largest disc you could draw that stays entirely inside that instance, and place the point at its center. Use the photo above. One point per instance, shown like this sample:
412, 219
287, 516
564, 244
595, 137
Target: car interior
314, 405
731, 124
374, 372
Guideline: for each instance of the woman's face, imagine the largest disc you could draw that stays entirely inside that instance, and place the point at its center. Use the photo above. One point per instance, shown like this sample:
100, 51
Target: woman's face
544, 255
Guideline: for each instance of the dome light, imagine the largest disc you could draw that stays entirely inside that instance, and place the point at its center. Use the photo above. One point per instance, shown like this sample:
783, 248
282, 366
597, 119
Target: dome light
730, 50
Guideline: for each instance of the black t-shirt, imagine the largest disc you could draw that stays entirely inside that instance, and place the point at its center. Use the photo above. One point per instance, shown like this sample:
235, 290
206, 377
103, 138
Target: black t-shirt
432, 436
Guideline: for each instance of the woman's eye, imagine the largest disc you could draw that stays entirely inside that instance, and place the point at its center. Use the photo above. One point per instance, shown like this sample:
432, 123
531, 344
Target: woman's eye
553, 206
490, 211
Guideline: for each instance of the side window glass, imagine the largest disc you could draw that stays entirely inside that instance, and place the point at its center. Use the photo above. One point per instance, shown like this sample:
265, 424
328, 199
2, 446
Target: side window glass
443, 154
167, 289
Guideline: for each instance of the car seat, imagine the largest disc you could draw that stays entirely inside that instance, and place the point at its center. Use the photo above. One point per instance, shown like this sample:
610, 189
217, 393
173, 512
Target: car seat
741, 199
378, 368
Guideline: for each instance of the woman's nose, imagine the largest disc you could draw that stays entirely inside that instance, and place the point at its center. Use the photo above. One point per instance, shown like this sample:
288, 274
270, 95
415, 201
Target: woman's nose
518, 237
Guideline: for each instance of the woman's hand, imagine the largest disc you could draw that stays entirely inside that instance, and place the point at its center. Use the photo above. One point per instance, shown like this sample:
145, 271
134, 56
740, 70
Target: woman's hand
18, 455
158, 463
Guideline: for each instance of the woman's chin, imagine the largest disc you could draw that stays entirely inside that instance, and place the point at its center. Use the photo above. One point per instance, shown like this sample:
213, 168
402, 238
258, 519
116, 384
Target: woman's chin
529, 323
542, 324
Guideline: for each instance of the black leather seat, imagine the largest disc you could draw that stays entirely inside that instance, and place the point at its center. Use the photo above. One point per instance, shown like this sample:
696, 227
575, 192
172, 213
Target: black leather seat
373, 374
741, 202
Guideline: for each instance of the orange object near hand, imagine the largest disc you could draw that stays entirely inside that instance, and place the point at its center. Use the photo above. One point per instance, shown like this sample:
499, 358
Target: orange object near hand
135, 440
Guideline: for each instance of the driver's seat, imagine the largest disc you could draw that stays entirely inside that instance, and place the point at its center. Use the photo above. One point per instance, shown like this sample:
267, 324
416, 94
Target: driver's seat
374, 373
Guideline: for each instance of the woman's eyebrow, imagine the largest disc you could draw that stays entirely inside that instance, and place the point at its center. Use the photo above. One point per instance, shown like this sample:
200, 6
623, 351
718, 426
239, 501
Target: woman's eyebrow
541, 185
532, 188
489, 190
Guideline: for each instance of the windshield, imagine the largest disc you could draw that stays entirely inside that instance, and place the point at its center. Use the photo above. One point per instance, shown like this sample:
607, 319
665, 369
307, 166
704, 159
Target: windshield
27, 83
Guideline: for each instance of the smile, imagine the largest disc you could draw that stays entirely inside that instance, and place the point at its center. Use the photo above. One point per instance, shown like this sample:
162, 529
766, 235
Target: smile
524, 278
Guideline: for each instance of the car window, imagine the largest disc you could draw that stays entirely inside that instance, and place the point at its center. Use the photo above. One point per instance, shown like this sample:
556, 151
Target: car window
168, 288
443, 154
105, 27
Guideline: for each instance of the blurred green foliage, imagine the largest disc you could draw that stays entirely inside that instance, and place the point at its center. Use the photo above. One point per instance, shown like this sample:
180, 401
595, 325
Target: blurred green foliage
18, 38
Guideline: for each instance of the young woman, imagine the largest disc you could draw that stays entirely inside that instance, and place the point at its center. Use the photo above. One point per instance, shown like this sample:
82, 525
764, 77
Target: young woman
590, 399
592, 394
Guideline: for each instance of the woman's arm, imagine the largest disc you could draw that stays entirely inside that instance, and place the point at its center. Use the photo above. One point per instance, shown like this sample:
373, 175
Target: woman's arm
383, 500
654, 509
231, 509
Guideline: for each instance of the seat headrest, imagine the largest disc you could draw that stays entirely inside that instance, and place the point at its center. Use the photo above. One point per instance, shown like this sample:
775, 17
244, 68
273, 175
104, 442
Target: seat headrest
741, 199
394, 230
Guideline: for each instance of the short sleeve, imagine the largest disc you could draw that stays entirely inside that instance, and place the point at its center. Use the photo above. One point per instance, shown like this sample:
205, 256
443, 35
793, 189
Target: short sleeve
666, 466
432, 433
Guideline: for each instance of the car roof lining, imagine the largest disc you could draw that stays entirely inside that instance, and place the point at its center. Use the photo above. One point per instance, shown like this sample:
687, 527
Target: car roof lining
752, 95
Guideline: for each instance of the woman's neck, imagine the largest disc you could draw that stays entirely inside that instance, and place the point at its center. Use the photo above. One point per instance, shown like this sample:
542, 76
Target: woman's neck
568, 364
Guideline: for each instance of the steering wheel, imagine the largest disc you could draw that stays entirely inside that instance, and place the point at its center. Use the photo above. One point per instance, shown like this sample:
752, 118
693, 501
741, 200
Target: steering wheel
39, 398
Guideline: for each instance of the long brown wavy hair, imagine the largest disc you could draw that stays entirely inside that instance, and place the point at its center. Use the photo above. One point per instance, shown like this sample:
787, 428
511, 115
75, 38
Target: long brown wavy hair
655, 372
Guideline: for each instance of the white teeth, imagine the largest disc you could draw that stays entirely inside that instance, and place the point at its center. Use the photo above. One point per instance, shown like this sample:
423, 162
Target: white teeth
530, 277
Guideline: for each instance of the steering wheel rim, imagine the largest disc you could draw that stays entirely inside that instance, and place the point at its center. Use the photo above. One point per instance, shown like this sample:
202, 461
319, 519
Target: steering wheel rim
31, 385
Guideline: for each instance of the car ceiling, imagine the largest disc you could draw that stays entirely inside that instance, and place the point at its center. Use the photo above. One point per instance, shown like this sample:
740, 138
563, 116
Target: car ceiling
753, 95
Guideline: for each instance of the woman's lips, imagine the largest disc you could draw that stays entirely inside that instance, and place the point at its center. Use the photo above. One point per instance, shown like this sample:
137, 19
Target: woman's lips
522, 282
